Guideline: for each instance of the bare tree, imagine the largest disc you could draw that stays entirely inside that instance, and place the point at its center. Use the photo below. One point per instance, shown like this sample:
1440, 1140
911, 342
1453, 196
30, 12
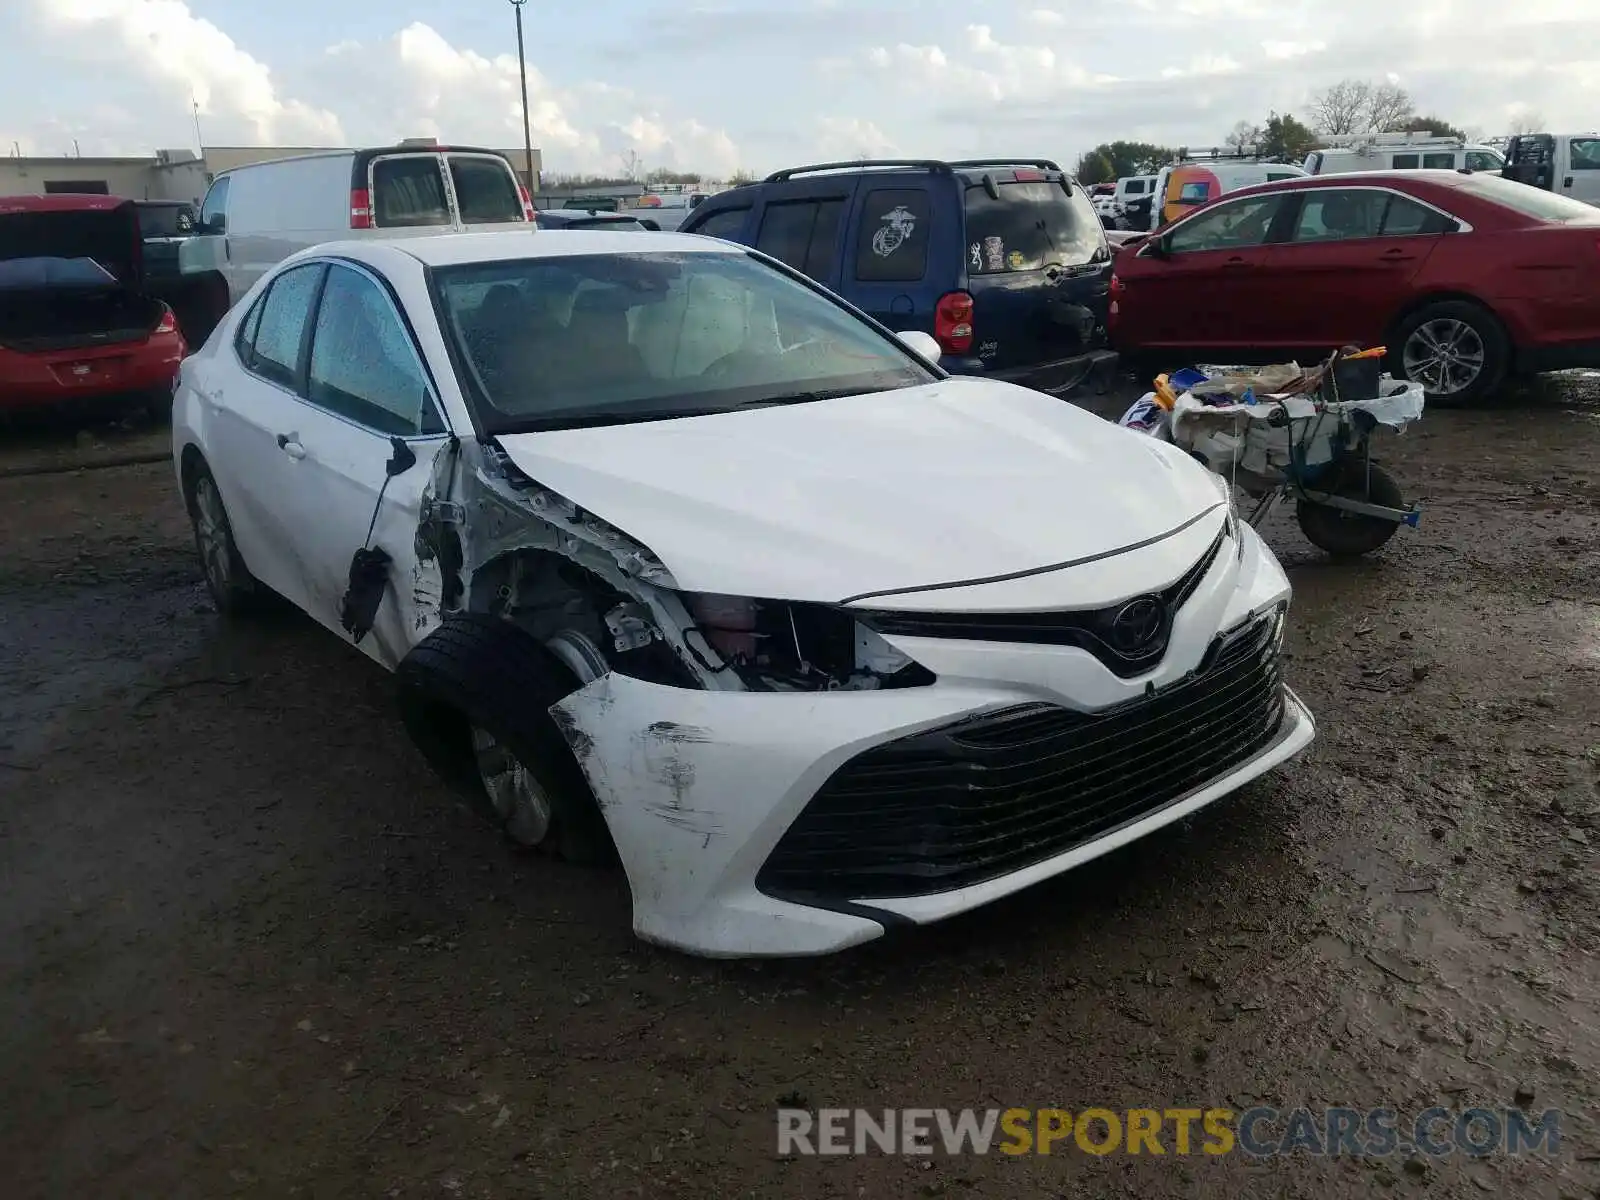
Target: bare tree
1388, 106
1360, 106
1527, 121
632, 165
1341, 108
1242, 135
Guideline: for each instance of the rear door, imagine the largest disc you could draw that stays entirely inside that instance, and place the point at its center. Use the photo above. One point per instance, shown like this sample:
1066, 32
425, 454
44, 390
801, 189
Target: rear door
892, 256
486, 193
1346, 266
1203, 282
801, 222
1038, 269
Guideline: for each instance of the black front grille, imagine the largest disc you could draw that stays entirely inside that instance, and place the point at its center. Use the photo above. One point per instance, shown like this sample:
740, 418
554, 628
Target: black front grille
989, 795
1088, 629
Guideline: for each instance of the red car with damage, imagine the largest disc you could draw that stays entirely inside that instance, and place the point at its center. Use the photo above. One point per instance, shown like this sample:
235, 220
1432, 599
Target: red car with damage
1466, 278
76, 322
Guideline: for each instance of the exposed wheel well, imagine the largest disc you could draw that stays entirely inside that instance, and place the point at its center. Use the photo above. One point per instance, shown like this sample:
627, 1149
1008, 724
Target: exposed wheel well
1433, 298
190, 463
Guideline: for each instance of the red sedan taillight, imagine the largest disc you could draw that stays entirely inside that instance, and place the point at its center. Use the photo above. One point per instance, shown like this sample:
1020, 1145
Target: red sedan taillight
952, 322
1117, 289
168, 322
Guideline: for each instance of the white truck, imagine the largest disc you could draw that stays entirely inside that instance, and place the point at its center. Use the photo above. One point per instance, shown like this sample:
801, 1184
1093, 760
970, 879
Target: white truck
1423, 150
1565, 163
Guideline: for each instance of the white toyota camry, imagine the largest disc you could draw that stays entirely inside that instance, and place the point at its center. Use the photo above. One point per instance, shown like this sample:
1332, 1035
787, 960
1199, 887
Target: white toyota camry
680, 558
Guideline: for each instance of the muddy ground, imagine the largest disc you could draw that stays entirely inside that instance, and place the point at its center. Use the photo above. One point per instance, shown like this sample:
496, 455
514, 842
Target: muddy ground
249, 947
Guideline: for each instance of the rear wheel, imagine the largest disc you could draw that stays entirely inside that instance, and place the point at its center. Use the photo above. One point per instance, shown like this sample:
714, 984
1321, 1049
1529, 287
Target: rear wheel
1455, 349
475, 696
233, 589
1346, 534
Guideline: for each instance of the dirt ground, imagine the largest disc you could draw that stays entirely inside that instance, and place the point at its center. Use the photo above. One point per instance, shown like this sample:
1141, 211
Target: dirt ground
249, 947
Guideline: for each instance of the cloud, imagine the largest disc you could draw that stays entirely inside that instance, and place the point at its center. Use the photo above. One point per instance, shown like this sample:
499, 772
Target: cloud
413, 83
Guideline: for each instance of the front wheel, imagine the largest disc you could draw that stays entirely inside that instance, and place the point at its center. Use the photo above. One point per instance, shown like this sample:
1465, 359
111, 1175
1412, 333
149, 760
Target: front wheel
1456, 350
475, 695
1346, 534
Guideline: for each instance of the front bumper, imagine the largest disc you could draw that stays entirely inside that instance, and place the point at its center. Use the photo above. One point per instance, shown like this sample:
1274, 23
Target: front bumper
708, 794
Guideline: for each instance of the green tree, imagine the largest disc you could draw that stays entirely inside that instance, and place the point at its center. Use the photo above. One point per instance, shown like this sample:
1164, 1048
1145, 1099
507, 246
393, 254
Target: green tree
1286, 139
1427, 124
1123, 159
1094, 167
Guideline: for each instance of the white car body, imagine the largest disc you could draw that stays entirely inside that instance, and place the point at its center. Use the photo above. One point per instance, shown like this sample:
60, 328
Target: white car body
921, 504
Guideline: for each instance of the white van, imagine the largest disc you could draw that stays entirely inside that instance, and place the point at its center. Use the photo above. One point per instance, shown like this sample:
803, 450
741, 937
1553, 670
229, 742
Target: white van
1401, 152
1196, 181
257, 215
1133, 196
1565, 163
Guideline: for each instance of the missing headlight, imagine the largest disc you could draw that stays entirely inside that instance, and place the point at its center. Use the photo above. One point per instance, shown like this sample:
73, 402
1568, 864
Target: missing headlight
778, 645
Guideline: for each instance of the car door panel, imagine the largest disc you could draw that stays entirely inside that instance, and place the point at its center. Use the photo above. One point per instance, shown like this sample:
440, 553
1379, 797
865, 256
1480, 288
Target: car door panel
253, 405
1205, 282
367, 400
1348, 266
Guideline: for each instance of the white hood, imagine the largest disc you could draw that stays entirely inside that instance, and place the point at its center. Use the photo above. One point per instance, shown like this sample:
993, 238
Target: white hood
964, 479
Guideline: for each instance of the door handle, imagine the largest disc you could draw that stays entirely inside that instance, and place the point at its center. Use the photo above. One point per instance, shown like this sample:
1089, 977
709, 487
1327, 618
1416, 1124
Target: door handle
227, 249
1236, 263
289, 443
1397, 256
1567, 182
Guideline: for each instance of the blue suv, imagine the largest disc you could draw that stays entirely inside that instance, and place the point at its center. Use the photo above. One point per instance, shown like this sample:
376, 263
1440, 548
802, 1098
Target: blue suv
1004, 262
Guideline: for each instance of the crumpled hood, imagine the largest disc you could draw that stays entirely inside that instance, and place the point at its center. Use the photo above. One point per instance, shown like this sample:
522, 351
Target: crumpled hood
963, 479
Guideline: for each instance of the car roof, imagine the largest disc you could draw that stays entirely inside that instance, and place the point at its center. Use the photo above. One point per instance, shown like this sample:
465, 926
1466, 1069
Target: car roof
1435, 178
62, 202
458, 249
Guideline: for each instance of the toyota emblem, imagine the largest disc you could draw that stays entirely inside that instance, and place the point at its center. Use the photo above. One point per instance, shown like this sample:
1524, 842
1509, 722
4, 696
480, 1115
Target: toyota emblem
1138, 624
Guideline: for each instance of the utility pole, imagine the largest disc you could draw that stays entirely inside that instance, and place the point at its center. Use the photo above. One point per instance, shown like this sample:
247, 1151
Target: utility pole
527, 128
199, 141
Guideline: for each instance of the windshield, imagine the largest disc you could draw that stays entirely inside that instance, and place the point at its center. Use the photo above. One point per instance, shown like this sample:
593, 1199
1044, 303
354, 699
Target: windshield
1530, 201
609, 339
1031, 226
165, 220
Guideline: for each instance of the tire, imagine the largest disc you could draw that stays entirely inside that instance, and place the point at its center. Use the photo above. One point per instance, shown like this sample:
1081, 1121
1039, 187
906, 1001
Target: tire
1346, 534
477, 690
233, 589
1466, 332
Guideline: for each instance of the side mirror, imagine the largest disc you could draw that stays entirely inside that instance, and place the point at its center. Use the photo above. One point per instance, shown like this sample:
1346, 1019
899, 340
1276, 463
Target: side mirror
1156, 246
216, 226
652, 226
921, 344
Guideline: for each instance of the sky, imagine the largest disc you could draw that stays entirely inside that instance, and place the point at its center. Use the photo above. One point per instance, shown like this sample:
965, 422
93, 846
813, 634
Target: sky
724, 85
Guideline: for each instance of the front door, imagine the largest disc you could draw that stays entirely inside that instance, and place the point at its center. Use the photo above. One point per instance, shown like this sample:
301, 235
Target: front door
1346, 266
367, 399
1581, 179
1203, 283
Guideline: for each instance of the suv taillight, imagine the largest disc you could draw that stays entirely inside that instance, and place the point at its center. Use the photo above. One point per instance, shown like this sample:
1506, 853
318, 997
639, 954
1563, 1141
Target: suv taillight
952, 322
527, 202
360, 209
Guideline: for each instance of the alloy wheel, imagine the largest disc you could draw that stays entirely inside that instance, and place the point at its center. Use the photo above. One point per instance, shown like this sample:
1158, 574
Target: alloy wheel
212, 536
1445, 355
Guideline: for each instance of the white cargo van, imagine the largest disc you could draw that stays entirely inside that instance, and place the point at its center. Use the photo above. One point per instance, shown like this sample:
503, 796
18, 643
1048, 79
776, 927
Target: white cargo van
1565, 163
1422, 151
257, 215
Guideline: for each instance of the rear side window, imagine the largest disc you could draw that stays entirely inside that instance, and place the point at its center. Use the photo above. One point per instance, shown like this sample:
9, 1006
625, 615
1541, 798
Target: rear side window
1406, 218
725, 224
1032, 225
1194, 193
1445, 161
1586, 154
485, 190
892, 243
408, 190
280, 329
802, 233
1406, 162
1484, 160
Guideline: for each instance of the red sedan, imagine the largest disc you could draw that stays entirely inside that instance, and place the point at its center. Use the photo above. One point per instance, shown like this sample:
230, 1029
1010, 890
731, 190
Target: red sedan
1466, 278
76, 323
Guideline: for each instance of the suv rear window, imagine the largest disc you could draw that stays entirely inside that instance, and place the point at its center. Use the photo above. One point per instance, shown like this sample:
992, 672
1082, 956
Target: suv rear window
892, 244
485, 190
409, 190
1032, 225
